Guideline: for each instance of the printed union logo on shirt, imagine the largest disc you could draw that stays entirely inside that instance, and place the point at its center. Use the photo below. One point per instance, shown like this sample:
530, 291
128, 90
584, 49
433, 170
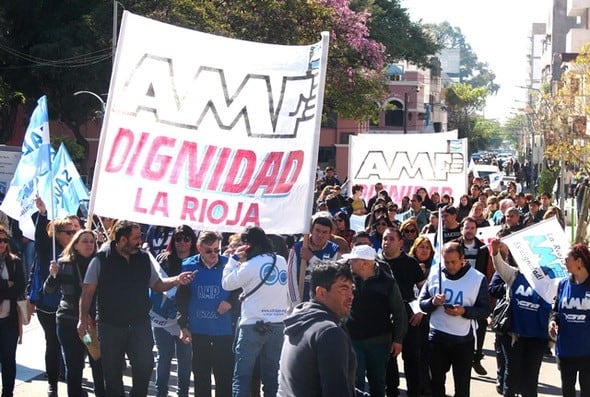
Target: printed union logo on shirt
275, 275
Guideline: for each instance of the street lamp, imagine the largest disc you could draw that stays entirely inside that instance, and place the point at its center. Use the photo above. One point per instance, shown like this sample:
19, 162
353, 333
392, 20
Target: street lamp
102, 102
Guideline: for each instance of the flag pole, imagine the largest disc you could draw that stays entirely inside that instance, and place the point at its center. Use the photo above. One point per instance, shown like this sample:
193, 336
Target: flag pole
439, 247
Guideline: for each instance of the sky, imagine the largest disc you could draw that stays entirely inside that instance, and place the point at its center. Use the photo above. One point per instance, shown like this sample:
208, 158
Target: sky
498, 33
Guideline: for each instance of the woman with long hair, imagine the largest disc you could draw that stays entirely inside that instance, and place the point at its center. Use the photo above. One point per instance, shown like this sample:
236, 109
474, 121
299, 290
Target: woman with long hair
67, 275
426, 201
573, 336
46, 304
463, 208
343, 227
183, 244
264, 307
12, 287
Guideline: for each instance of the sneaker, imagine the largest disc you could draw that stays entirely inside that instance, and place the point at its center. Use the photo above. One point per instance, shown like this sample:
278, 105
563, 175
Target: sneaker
478, 368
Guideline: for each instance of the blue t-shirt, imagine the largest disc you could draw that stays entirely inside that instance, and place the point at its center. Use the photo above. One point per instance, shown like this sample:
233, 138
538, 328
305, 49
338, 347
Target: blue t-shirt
573, 318
530, 312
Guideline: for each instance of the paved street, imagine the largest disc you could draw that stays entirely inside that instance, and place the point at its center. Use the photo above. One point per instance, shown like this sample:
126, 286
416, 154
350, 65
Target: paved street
30, 370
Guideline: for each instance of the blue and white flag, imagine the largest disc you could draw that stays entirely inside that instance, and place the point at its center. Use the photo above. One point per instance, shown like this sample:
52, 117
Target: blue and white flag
32, 171
37, 132
540, 251
34, 165
68, 187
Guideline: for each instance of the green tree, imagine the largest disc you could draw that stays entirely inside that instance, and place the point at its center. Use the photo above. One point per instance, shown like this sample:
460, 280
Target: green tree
485, 134
403, 39
463, 101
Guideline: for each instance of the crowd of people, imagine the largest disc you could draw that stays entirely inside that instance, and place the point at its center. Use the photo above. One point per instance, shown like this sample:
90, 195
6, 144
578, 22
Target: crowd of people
334, 312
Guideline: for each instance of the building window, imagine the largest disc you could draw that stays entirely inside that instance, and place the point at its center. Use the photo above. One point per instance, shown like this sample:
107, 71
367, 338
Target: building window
327, 155
394, 116
345, 138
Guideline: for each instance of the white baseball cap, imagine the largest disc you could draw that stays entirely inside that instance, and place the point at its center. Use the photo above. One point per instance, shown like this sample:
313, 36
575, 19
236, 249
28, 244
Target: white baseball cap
361, 252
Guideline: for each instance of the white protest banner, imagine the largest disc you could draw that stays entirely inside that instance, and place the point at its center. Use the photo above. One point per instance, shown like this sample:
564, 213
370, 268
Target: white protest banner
540, 251
208, 131
403, 163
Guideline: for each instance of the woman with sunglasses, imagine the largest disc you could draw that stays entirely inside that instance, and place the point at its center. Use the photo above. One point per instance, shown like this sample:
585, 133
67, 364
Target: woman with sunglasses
379, 227
343, 227
183, 244
46, 304
409, 231
12, 287
67, 276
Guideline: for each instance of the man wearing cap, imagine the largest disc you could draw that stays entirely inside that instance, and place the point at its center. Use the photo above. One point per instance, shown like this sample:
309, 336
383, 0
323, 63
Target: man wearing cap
534, 214
377, 322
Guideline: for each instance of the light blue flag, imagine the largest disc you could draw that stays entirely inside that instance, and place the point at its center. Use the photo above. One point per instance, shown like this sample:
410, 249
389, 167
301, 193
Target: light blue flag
37, 132
68, 187
32, 172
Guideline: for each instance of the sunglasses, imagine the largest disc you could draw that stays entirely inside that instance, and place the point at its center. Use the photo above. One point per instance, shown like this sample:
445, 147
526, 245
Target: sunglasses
339, 220
381, 224
4, 240
68, 232
213, 251
391, 209
180, 239
410, 231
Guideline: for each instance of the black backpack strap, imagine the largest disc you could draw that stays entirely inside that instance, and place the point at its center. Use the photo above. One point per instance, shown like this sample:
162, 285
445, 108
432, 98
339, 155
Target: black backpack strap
244, 295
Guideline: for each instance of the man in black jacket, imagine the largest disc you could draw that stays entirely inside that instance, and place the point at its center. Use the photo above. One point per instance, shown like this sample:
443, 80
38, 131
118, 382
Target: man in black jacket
378, 320
317, 358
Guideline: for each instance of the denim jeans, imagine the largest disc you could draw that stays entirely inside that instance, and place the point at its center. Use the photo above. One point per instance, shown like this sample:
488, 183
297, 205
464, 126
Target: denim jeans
74, 352
167, 345
249, 346
371, 357
137, 342
213, 353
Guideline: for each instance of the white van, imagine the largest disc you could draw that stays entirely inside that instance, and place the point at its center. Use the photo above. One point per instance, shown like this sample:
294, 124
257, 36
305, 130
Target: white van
490, 173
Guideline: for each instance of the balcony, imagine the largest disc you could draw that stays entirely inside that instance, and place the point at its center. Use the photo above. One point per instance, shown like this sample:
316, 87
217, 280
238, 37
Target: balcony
575, 39
577, 8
